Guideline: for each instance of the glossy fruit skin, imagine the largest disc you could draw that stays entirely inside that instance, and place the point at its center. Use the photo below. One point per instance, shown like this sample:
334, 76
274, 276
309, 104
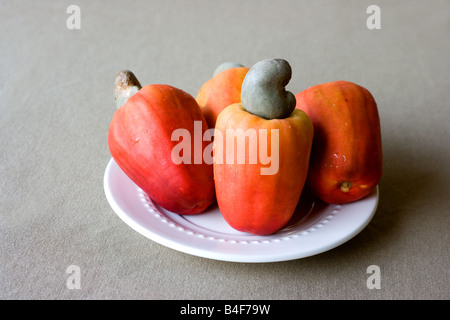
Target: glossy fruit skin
219, 92
346, 158
140, 142
256, 203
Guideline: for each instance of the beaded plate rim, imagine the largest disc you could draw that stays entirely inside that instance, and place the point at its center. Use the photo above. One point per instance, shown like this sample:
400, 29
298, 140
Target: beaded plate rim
331, 227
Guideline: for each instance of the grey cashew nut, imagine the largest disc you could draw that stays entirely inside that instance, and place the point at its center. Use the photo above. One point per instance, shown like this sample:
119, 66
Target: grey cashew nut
125, 85
226, 65
263, 91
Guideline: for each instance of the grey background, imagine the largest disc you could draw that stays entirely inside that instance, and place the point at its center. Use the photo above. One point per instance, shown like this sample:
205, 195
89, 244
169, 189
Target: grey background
56, 104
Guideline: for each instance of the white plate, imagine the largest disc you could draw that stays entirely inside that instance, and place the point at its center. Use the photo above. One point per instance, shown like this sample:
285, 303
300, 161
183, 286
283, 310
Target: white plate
315, 227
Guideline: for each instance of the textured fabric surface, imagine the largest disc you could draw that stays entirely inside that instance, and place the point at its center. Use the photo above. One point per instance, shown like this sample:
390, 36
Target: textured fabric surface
56, 104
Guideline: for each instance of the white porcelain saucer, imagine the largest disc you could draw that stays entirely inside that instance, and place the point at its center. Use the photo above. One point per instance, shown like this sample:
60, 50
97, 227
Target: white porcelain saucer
315, 227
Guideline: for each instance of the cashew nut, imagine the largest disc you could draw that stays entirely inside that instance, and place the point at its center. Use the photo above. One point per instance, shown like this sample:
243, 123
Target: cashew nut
226, 65
125, 85
263, 91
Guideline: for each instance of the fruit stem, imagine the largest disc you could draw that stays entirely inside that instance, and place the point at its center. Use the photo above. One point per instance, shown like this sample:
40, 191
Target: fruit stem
345, 186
